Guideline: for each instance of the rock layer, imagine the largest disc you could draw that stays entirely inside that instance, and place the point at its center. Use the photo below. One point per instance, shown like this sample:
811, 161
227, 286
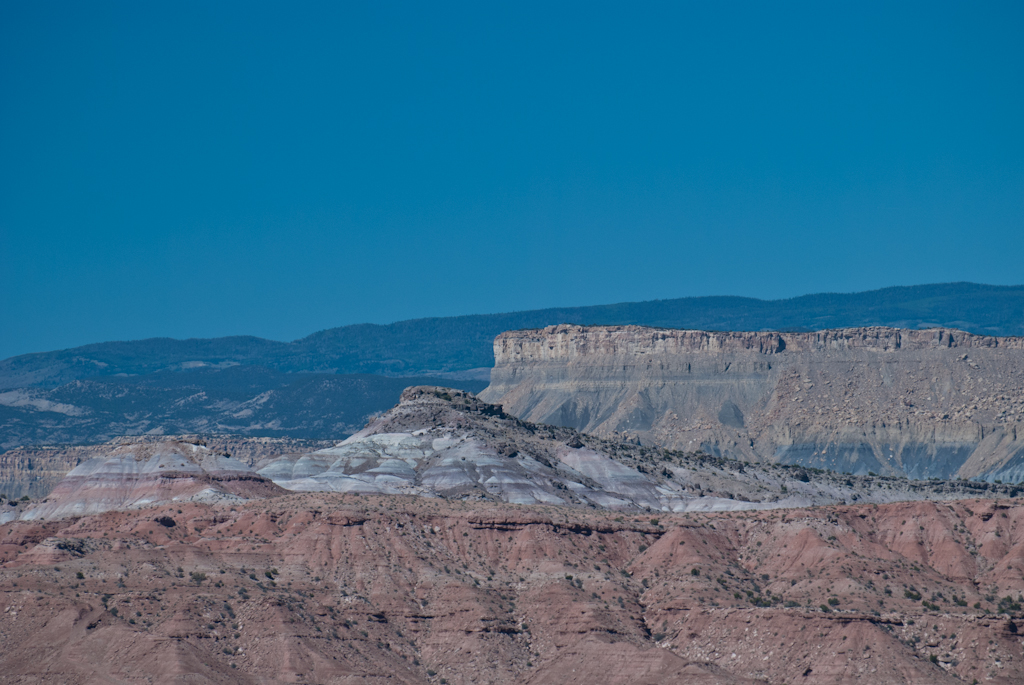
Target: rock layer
922, 403
34, 471
141, 475
440, 442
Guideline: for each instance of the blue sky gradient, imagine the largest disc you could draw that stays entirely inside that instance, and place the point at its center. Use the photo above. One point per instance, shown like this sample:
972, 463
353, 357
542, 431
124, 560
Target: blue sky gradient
203, 169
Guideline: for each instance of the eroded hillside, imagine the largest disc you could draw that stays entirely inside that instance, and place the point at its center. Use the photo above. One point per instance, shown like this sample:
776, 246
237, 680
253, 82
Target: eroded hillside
439, 442
34, 471
329, 588
145, 474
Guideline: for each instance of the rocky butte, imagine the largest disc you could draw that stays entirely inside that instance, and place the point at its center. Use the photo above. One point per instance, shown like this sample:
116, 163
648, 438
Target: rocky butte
936, 403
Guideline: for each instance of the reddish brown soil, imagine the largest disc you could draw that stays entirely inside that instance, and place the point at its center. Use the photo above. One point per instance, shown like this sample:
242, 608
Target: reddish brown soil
396, 589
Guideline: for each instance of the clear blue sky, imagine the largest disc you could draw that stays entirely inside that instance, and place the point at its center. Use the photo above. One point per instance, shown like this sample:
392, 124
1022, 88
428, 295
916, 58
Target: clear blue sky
197, 169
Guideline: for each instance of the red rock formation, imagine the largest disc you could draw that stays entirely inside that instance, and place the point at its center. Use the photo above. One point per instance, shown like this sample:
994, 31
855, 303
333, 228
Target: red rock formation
329, 588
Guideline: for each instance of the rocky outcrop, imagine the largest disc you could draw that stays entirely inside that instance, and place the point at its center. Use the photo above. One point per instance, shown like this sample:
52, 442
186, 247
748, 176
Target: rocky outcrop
138, 475
34, 472
923, 403
440, 442
330, 588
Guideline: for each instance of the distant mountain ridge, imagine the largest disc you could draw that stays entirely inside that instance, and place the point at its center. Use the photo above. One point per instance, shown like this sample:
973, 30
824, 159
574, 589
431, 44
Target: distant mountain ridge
241, 400
434, 346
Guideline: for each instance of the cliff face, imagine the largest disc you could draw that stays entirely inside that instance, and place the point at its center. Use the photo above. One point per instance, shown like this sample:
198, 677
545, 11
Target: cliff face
34, 472
924, 403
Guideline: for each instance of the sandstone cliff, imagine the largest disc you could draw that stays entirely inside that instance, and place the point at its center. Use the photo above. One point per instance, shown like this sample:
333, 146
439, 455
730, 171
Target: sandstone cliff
34, 472
923, 403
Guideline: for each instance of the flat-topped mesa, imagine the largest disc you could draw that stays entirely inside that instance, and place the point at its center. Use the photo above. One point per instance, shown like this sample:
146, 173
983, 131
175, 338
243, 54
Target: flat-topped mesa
924, 403
566, 342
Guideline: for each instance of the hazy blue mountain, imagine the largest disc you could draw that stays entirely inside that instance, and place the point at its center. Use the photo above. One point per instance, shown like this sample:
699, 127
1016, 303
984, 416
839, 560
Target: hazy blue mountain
428, 346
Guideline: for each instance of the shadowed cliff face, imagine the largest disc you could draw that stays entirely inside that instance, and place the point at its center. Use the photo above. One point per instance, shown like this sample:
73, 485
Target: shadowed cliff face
935, 403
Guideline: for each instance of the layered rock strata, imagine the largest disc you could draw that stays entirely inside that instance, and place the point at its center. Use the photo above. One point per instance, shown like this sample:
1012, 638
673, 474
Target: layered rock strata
922, 403
34, 471
440, 442
138, 475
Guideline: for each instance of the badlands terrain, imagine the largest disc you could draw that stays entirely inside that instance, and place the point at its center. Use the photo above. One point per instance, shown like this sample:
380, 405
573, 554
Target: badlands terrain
444, 443
450, 542
622, 504
936, 403
439, 442
341, 588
